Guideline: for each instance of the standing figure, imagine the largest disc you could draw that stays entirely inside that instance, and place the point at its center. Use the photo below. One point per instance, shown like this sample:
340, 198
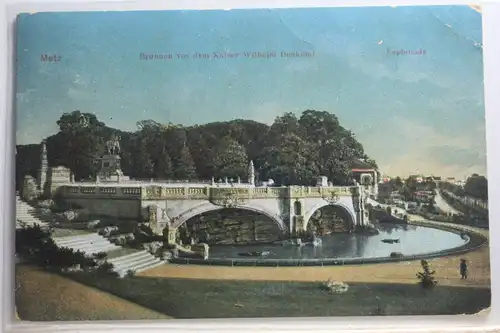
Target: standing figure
463, 269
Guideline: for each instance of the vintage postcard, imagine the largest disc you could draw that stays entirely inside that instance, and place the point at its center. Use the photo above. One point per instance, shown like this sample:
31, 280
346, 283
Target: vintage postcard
251, 163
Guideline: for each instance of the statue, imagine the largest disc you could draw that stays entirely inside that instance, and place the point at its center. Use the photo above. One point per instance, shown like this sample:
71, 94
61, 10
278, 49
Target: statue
113, 145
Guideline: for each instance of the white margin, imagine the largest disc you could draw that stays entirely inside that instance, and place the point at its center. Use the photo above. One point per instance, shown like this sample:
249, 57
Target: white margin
491, 41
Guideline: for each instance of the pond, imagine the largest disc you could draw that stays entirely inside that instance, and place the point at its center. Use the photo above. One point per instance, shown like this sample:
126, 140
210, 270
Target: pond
413, 240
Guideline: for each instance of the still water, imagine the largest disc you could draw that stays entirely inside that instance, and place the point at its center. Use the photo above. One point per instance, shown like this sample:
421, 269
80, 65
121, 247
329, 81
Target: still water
413, 240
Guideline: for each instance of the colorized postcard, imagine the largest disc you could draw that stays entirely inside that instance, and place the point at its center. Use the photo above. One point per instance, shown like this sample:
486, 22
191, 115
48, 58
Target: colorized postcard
251, 163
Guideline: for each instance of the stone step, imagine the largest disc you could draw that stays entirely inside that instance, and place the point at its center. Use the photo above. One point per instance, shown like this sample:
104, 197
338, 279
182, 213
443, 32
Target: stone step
129, 257
79, 238
135, 265
94, 234
86, 244
82, 245
107, 248
134, 261
140, 267
92, 246
94, 249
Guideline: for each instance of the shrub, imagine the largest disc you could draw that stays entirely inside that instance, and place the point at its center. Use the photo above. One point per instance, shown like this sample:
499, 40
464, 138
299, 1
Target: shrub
130, 273
100, 255
35, 245
335, 286
106, 268
426, 278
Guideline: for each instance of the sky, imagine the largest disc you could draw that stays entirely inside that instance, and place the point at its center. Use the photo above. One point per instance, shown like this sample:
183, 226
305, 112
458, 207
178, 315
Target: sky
415, 113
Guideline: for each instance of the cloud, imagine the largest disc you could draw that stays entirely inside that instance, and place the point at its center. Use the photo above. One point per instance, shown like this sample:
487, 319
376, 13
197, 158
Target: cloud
301, 66
424, 149
266, 112
24, 96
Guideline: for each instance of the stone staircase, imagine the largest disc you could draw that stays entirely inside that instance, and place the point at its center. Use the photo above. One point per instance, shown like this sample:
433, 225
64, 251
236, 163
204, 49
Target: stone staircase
137, 262
28, 215
94, 243
90, 244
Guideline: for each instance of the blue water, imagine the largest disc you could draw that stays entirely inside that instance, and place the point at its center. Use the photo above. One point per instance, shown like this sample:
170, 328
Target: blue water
413, 240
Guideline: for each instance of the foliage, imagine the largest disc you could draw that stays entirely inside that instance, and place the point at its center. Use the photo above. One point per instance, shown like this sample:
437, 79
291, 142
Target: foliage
106, 269
230, 159
335, 287
185, 165
35, 245
477, 187
292, 150
100, 255
426, 278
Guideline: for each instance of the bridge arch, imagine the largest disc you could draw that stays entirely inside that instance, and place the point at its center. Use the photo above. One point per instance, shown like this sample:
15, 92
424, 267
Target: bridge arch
344, 207
208, 207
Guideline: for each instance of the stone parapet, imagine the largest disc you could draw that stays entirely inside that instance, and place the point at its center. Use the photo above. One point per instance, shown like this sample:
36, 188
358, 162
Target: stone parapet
158, 192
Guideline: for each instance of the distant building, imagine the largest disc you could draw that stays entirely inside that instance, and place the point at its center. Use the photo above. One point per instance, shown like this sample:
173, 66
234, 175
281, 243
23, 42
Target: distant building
418, 178
365, 174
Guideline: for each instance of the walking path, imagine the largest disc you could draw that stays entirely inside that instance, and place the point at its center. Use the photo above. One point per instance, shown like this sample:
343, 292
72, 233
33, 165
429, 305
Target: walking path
443, 205
447, 269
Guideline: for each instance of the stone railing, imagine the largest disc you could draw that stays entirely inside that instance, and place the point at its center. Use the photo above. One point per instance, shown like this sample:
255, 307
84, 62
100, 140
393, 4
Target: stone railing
160, 191
102, 191
210, 192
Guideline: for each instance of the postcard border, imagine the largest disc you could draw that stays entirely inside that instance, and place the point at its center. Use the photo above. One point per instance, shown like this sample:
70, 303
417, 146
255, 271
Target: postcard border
491, 30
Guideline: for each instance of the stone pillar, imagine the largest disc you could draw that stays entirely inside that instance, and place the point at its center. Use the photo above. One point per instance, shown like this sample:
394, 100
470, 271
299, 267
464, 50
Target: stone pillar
172, 233
251, 173
375, 184
44, 165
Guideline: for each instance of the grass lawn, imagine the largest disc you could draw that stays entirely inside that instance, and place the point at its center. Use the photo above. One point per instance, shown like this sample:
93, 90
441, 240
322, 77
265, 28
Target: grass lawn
43, 296
191, 298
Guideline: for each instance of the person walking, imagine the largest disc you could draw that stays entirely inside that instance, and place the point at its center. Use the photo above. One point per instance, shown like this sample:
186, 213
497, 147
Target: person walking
463, 269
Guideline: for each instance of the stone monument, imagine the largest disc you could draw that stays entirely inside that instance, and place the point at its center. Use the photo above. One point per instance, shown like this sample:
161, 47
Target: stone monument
44, 169
251, 173
110, 163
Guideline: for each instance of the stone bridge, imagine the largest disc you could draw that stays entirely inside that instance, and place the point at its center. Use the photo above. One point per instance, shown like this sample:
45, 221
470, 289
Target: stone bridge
173, 204
289, 207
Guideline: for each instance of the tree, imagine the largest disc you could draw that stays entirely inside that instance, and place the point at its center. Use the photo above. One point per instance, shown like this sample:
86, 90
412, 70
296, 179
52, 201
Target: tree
319, 126
230, 159
426, 278
333, 159
164, 168
289, 161
143, 165
81, 134
184, 168
293, 150
286, 124
477, 186
398, 183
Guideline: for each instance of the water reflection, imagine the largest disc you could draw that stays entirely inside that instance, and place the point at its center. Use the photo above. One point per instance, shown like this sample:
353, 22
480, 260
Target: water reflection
412, 240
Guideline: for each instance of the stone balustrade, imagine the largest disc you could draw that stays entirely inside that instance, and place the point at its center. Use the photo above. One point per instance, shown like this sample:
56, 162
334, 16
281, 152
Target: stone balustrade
163, 191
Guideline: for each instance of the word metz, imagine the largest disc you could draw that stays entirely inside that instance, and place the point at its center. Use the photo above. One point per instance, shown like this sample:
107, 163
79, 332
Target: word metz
50, 58
228, 55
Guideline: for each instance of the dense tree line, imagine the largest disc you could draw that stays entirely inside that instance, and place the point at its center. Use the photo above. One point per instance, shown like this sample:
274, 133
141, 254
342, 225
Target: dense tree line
476, 186
293, 150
